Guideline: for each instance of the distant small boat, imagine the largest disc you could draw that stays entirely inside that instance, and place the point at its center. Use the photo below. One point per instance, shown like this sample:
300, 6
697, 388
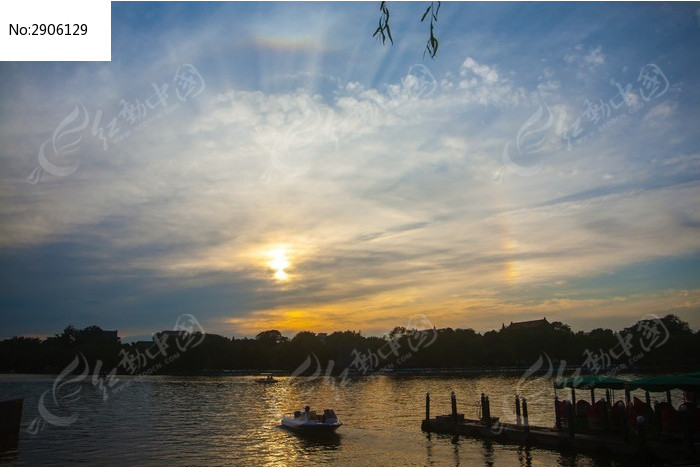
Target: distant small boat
307, 421
267, 380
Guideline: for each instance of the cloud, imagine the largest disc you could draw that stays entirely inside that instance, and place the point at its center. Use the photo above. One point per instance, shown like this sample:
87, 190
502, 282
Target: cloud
366, 190
659, 116
585, 60
483, 84
591, 57
594, 57
379, 185
484, 72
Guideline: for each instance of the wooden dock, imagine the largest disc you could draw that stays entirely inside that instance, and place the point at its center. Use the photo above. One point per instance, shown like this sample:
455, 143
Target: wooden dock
603, 444
535, 436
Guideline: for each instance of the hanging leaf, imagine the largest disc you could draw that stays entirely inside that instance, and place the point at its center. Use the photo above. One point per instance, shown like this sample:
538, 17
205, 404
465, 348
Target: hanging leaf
427, 10
384, 30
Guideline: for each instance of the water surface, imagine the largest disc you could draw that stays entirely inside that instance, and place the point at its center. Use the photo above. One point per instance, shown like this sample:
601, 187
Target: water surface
236, 421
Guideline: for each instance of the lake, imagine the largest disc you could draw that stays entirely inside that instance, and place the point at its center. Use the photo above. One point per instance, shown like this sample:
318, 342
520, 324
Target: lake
235, 421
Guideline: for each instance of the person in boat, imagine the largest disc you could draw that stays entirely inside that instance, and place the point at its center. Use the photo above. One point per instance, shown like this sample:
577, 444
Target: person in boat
306, 412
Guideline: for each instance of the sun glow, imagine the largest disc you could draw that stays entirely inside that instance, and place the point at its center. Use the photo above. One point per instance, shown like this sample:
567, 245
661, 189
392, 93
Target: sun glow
279, 263
512, 270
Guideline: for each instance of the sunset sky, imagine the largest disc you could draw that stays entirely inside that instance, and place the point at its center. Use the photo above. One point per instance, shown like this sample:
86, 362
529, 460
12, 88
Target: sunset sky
272, 166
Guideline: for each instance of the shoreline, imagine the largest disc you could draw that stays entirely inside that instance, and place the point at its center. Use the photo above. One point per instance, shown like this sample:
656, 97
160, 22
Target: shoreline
432, 372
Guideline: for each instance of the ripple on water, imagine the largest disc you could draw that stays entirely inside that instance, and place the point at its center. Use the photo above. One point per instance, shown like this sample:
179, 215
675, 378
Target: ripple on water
234, 421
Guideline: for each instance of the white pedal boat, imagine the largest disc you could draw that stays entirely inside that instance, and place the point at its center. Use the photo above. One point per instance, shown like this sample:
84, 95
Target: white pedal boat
308, 421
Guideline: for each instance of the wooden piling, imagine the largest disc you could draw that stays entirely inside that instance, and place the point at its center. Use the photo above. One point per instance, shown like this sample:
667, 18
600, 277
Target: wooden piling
571, 419
517, 410
453, 398
488, 411
483, 408
427, 406
557, 415
526, 422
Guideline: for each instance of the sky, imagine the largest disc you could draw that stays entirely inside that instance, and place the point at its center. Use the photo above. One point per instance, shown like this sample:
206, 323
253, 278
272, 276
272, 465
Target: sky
273, 166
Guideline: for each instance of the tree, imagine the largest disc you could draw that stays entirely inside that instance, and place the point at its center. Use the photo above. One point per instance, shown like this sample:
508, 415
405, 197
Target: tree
675, 325
306, 340
561, 327
660, 342
271, 338
399, 331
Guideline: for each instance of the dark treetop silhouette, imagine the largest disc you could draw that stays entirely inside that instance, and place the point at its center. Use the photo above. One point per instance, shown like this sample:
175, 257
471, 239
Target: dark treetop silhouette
518, 344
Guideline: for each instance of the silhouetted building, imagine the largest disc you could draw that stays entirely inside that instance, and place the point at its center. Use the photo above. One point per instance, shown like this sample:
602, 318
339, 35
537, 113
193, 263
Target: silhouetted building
110, 335
533, 324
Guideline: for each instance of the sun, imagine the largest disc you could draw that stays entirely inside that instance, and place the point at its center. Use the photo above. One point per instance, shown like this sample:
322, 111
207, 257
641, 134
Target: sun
279, 262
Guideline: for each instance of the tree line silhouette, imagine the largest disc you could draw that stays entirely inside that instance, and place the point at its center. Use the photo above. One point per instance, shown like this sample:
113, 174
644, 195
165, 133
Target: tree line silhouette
665, 342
